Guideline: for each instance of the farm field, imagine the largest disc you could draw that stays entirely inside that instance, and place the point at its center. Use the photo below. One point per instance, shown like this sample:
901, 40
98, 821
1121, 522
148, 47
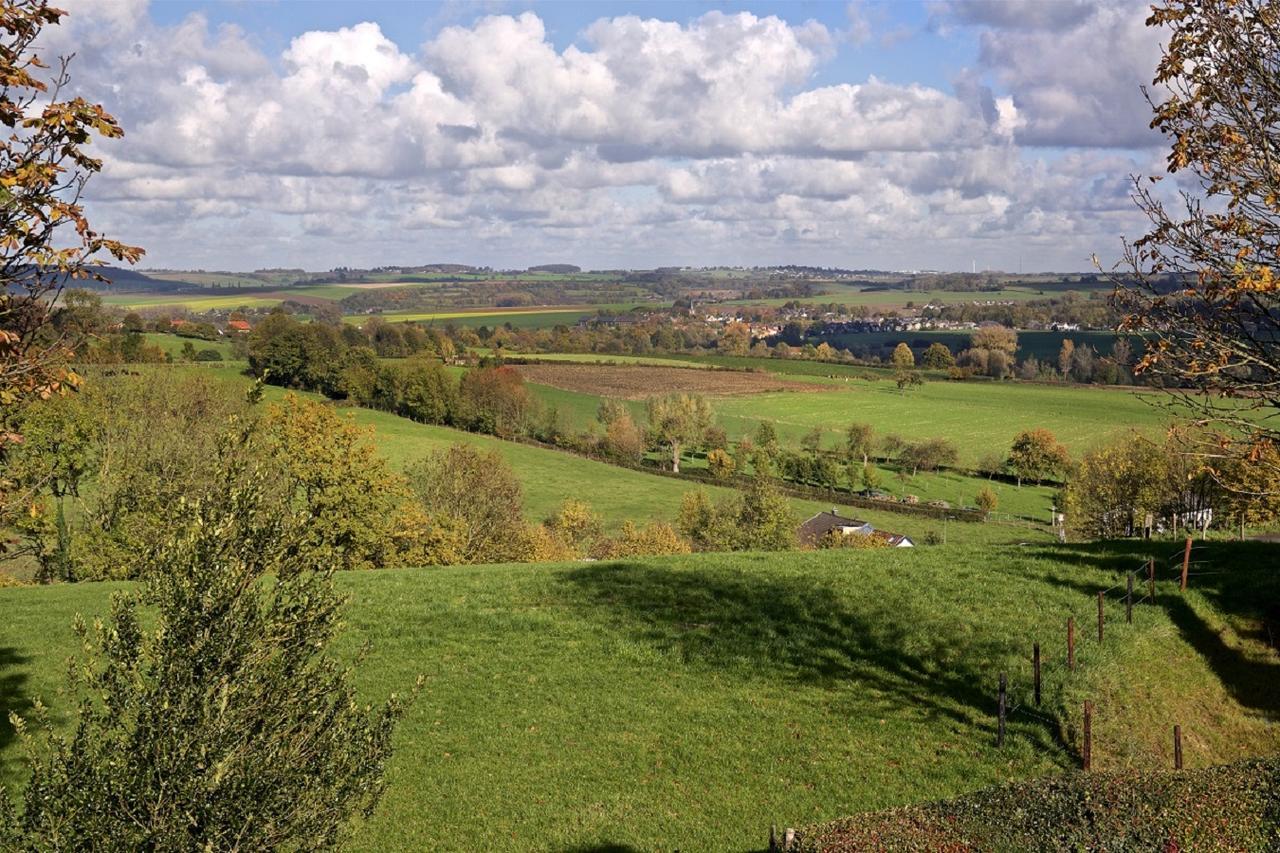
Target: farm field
978, 416
193, 301
691, 702
519, 318
621, 494
172, 344
638, 382
885, 299
605, 358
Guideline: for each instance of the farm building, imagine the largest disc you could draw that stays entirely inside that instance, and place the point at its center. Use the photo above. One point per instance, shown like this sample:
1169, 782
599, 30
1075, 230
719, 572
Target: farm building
814, 529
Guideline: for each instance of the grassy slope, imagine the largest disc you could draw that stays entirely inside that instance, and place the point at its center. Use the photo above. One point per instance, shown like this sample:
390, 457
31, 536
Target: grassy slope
690, 702
172, 344
977, 416
619, 494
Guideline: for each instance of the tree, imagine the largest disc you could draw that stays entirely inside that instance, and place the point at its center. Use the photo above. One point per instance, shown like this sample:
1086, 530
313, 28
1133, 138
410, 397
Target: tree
495, 400
765, 520
859, 441
760, 518
1202, 281
1252, 487
328, 472
929, 455
1037, 455
218, 721
870, 477
987, 500
1115, 486
995, 338
473, 502
1066, 358
906, 379
720, 463
903, 358
811, 441
678, 421
45, 238
938, 356
623, 440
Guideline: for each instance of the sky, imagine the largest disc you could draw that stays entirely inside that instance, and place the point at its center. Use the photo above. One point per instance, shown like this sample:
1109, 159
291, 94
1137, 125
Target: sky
951, 134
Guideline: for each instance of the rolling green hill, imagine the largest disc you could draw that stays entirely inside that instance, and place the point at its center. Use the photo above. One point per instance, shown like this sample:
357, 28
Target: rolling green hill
690, 702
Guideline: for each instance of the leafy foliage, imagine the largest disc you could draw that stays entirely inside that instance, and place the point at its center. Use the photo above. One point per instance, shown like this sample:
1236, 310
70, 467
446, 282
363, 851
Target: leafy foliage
1204, 284
211, 717
1231, 807
1037, 455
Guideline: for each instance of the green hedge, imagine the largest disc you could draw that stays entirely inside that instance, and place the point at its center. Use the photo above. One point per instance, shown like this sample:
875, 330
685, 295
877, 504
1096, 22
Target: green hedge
1230, 807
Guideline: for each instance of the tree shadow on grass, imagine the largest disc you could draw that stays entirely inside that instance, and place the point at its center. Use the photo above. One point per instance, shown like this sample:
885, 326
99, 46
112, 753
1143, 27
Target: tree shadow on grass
794, 629
13, 697
1241, 580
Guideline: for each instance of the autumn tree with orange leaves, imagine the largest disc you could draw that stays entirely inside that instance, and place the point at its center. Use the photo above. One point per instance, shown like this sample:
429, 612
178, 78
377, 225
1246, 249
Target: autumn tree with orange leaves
45, 239
1201, 284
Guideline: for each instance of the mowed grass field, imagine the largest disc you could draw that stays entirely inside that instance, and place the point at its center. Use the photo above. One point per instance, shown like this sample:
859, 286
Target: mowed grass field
979, 417
688, 703
621, 494
172, 344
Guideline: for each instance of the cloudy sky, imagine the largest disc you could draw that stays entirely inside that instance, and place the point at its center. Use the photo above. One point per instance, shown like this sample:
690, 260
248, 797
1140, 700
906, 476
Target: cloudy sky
888, 135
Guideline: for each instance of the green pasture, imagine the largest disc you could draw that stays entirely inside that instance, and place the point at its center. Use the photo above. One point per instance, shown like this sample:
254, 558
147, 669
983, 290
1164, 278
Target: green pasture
172, 344
690, 702
621, 494
979, 417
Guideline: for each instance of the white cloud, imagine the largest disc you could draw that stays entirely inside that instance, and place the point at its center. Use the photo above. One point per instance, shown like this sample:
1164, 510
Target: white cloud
646, 142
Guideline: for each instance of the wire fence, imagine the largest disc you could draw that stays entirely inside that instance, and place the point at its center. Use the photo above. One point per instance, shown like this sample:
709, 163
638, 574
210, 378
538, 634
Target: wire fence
1023, 690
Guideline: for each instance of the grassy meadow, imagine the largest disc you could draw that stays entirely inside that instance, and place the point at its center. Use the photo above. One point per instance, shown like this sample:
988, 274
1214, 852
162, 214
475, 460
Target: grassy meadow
979, 417
688, 703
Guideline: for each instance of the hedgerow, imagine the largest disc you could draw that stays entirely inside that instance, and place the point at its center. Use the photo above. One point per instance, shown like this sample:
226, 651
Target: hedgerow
1232, 807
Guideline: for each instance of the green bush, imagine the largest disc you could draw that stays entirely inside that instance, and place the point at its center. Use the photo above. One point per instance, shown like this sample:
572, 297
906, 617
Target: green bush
1228, 807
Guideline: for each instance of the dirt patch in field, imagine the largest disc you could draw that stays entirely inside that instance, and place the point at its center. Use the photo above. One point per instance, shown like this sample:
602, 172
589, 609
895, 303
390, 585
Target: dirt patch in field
637, 382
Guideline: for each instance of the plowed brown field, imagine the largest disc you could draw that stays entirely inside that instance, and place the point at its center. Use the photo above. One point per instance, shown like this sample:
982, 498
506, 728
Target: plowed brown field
638, 382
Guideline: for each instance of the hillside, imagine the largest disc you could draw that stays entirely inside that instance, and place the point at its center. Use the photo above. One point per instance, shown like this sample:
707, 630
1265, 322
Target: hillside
690, 702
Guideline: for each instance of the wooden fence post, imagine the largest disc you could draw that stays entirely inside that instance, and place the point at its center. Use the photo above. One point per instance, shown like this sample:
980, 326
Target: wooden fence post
1087, 753
1128, 599
788, 839
1001, 702
1151, 578
1101, 602
1186, 562
1071, 642
1035, 663
773, 838
1177, 747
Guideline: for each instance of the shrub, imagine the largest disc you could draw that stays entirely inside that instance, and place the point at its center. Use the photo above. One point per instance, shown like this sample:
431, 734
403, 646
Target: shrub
653, 539
856, 541
218, 722
987, 499
476, 495
1230, 807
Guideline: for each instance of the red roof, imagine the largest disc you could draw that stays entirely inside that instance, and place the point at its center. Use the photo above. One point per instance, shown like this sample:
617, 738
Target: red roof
238, 325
